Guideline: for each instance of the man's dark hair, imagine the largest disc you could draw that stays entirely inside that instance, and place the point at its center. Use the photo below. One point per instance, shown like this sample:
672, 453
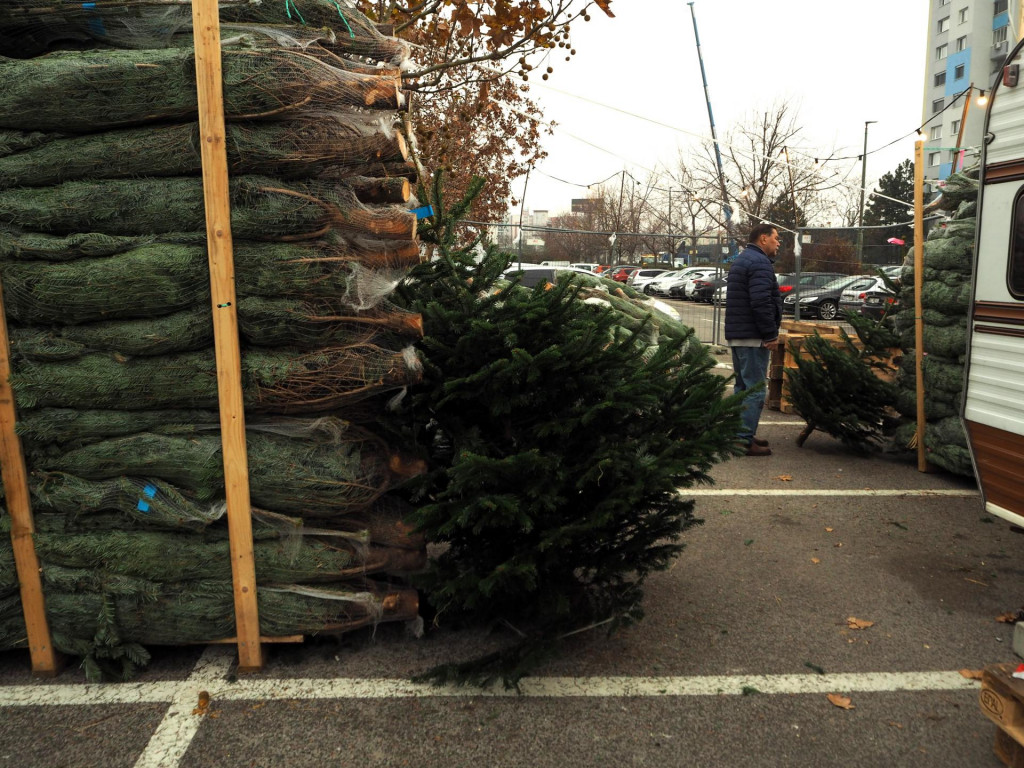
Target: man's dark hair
761, 229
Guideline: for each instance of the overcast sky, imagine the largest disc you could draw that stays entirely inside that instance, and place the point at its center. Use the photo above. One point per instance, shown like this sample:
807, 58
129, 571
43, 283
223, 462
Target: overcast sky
837, 65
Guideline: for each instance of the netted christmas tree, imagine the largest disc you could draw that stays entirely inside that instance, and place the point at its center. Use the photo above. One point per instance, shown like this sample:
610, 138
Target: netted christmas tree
945, 298
107, 294
561, 433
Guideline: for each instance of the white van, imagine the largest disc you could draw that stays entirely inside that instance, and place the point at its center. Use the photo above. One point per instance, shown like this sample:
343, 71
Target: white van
993, 401
588, 267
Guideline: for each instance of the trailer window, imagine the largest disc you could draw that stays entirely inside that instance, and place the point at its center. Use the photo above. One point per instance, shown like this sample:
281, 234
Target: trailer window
1015, 273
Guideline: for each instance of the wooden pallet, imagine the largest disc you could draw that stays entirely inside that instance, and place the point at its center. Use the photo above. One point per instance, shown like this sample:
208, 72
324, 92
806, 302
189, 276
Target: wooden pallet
1002, 701
1008, 750
802, 327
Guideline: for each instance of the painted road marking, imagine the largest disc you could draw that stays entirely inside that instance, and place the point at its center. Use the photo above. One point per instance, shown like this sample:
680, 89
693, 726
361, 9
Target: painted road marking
173, 736
532, 687
923, 492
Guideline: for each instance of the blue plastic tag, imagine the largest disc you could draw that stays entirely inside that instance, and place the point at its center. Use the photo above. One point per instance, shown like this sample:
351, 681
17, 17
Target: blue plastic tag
143, 506
423, 211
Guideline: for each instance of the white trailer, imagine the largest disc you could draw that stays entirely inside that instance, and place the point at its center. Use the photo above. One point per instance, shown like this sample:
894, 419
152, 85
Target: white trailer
993, 403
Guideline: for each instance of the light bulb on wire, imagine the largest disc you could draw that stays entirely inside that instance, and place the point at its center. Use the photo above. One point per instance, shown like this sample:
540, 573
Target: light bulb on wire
982, 99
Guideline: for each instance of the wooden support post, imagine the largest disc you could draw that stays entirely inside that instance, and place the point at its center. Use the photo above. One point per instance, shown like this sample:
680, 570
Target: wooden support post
206, 28
922, 458
15, 479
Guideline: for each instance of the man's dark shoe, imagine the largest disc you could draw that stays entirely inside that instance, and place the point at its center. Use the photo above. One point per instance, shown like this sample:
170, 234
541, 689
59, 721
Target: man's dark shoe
758, 450
759, 441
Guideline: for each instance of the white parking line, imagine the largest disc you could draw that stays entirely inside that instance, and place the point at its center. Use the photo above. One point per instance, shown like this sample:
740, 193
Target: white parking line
172, 737
185, 693
923, 492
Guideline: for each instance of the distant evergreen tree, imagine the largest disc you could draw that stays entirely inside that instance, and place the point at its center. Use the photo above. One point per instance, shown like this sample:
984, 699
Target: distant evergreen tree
897, 184
557, 442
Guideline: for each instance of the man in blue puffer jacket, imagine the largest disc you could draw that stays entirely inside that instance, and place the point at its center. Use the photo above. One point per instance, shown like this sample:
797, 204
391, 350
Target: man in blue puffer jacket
753, 311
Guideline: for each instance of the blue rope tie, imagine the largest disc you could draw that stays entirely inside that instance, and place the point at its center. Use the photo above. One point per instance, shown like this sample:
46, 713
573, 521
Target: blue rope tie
288, 5
338, 6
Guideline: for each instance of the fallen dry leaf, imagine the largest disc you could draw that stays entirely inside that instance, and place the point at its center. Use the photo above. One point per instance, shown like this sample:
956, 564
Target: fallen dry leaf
894, 724
815, 560
204, 704
839, 544
829, 530
784, 478
855, 623
843, 702
1010, 617
971, 674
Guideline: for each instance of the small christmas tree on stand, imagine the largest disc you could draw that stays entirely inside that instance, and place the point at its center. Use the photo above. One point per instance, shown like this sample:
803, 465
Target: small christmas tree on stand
558, 441
837, 388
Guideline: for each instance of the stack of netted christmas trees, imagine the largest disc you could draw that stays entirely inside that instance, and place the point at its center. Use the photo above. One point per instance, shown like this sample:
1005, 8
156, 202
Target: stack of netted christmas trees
107, 293
945, 298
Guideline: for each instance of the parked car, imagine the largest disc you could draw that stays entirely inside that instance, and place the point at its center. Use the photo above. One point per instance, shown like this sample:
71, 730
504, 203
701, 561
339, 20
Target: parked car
640, 279
878, 304
807, 280
690, 287
590, 267
705, 288
822, 301
659, 285
622, 274
854, 294
681, 287
663, 285
531, 275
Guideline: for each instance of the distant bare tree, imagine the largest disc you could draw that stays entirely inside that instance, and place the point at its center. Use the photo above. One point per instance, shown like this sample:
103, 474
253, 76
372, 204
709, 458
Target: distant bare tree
756, 170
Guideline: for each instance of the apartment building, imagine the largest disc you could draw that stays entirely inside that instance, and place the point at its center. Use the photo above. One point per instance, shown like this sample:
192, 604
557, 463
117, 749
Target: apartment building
967, 43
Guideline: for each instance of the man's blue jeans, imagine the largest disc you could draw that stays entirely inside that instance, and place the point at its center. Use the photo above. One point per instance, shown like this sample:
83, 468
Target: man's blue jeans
750, 365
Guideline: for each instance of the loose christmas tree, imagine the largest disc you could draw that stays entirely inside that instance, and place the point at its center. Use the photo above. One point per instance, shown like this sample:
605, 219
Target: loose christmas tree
837, 388
560, 437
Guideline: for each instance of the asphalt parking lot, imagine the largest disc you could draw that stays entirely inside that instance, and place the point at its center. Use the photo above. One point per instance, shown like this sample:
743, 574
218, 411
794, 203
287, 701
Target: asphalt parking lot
816, 572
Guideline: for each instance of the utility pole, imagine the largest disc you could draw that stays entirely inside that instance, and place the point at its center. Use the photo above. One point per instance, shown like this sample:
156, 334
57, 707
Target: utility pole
670, 242
863, 182
522, 209
618, 216
797, 247
714, 135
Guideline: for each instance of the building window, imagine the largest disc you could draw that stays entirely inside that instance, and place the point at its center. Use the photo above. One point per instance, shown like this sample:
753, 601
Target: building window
940, 78
944, 24
933, 159
952, 155
1000, 7
958, 72
998, 36
941, 51
943, 2
937, 105
954, 127
961, 43
936, 133
963, 15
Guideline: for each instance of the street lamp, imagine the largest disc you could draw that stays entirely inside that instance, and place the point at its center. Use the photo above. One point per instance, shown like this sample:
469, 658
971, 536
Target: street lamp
863, 181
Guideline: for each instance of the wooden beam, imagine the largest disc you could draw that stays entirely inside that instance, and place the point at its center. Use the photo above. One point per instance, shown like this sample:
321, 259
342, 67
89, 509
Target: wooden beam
15, 478
206, 28
922, 457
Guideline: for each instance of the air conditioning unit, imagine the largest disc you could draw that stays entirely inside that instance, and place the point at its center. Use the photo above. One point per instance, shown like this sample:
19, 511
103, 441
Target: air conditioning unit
1000, 49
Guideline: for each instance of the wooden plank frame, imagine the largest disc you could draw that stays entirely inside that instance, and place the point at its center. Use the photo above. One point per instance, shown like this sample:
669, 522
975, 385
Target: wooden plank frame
45, 660
216, 195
